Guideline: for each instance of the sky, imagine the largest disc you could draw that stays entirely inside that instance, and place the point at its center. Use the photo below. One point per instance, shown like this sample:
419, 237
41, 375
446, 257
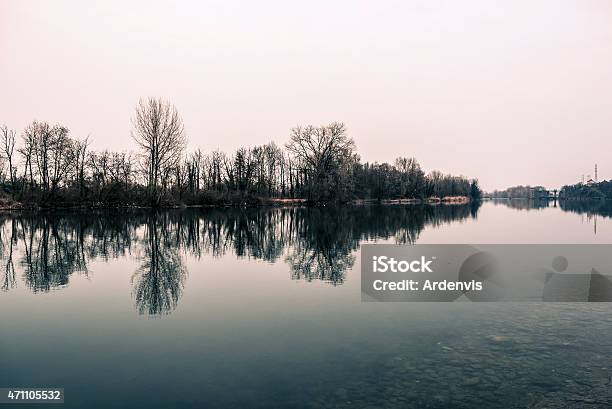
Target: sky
510, 92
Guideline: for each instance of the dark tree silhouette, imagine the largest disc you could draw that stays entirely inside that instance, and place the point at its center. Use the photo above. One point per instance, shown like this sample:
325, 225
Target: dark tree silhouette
7, 137
318, 166
325, 155
158, 131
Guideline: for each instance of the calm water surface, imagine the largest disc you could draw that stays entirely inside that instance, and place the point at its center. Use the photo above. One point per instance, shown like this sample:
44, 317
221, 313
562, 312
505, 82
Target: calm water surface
260, 308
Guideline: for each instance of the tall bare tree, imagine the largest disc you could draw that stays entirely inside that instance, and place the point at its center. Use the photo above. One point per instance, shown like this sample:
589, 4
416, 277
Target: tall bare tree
8, 148
158, 130
80, 161
30, 137
61, 156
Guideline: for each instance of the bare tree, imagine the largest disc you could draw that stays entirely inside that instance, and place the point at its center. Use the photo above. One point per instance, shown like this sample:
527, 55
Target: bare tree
42, 140
100, 166
30, 137
8, 147
325, 155
212, 166
80, 160
412, 178
61, 150
158, 130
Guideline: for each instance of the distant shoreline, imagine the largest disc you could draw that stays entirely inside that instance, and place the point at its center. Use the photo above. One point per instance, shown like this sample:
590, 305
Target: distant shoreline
560, 199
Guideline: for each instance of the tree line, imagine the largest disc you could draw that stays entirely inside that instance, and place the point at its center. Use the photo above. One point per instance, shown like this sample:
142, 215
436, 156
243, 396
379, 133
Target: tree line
597, 190
517, 192
46, 165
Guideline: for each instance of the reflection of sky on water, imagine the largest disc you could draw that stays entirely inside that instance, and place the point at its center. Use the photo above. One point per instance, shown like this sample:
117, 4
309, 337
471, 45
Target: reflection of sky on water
240, 331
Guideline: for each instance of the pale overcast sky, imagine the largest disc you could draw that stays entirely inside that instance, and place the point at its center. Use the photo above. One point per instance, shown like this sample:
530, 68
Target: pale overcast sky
512, 92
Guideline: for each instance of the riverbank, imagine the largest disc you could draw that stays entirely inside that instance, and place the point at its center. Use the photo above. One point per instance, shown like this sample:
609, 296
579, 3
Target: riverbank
431, 200
248, 201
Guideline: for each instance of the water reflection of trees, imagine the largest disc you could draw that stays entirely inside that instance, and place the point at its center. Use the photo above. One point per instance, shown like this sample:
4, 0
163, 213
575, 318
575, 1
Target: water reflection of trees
524, 204
52, 250
6, 253
158, 282
316, 243
588, 207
